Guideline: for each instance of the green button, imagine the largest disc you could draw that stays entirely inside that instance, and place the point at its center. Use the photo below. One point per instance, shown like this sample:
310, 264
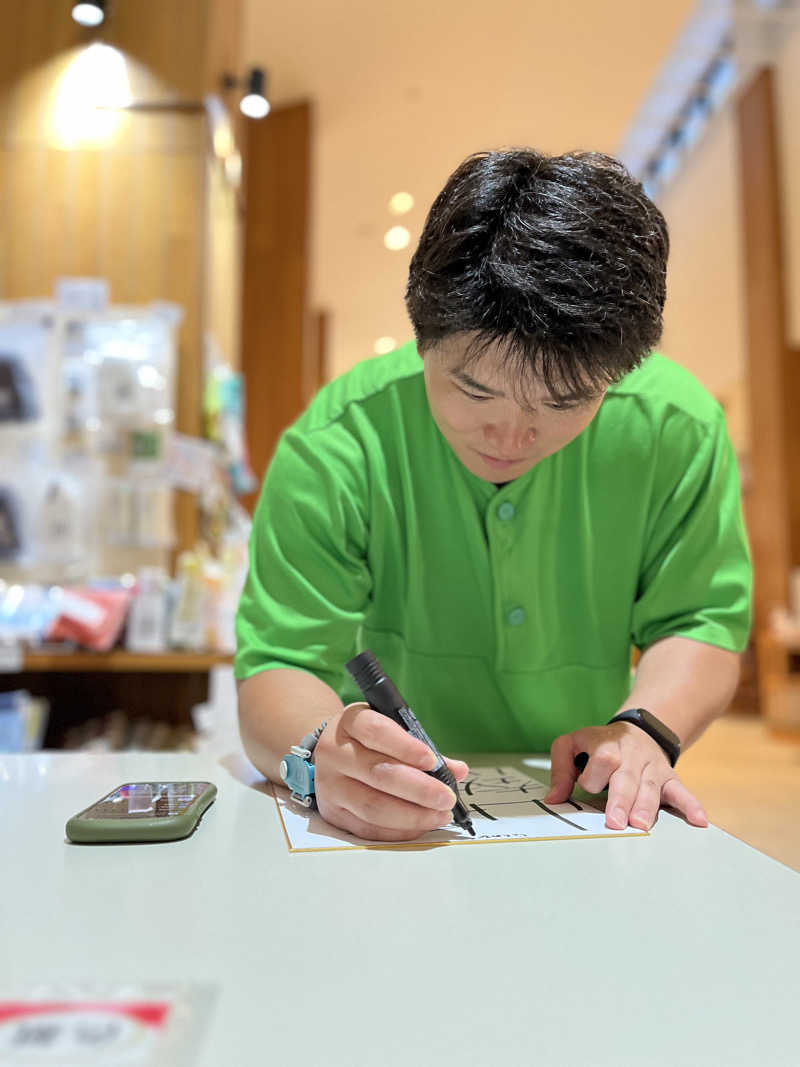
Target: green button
506, 511
516, 616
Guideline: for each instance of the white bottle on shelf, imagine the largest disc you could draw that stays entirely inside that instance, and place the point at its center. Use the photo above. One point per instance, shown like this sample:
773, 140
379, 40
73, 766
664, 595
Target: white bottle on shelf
147, 621
188, 623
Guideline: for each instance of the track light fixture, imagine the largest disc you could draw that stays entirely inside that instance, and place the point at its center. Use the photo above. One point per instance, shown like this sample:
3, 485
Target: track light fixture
254, 103
89, 13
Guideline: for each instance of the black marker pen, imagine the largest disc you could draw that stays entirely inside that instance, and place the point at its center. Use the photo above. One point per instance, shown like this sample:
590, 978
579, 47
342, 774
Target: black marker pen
382, 695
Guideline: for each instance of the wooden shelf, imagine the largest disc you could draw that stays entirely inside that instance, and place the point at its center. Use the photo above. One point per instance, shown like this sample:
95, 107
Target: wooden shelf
89, 685
118, 661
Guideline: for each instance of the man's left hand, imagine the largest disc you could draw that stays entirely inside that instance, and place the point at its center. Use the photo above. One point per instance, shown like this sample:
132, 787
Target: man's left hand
633, 766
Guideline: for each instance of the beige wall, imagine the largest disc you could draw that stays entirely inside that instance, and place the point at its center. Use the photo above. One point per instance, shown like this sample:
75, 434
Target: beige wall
403, 92
704, 317
788, 104
704, 327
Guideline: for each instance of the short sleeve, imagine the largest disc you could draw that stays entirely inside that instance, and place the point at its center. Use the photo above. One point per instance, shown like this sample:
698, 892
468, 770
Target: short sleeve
696, 578
308, 582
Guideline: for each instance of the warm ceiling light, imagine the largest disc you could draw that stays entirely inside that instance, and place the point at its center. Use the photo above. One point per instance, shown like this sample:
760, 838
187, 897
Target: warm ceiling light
255, 104
89, 98
401, 203
396, 238
89, 14
384, 345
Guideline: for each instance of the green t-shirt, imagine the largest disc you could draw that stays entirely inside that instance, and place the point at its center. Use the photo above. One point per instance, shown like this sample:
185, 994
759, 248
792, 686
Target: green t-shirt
504, 615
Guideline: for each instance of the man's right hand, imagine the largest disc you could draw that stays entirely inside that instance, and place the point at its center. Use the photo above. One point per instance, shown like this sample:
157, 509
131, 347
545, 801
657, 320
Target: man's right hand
370, 778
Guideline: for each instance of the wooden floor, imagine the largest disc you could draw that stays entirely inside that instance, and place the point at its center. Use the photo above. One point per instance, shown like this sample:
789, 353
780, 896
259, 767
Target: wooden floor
749, 783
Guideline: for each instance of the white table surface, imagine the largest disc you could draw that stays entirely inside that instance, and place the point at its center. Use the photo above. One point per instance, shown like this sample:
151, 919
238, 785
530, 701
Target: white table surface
681, 948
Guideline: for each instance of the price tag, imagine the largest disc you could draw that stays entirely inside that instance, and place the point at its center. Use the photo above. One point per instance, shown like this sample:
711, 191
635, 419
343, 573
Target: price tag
85, 1032
135, 1025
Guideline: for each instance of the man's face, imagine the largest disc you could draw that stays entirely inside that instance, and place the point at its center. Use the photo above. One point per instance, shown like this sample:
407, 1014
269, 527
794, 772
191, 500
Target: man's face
491, 432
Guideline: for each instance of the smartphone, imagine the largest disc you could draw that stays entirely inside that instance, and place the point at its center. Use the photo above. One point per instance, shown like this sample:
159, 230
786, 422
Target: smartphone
143, 811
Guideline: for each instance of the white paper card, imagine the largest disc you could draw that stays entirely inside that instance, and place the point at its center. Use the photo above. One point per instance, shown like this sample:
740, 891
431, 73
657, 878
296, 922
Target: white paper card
504, 804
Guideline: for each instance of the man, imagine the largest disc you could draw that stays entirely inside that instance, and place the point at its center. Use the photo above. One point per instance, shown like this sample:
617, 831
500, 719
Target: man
500, 513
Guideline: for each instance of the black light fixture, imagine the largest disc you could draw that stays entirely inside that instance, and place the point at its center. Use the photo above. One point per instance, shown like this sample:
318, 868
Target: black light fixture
254, 103
89, 12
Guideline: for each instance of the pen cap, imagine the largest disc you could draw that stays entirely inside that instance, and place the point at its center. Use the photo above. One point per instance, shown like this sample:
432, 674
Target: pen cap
377, 689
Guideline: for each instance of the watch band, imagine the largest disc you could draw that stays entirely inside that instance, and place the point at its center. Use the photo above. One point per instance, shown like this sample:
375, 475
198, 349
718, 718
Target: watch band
668, 740
297, 768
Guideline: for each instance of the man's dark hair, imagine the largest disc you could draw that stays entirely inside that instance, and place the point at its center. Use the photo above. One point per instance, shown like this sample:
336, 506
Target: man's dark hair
559, 259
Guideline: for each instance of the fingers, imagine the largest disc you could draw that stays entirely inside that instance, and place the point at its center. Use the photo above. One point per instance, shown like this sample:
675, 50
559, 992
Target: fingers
380, 753
633, 768
371, 778
380, 734
397, 779
381, 816
459, 768
623, 789
347, 821
604, 761
677, 796
636, 803
563, 771
634, 798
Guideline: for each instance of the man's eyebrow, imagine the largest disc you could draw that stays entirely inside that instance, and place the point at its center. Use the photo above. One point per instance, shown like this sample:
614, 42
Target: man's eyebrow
566, 398
465, 379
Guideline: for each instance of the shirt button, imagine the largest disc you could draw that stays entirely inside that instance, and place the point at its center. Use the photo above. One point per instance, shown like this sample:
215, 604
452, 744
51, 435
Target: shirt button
516, 617
506, 511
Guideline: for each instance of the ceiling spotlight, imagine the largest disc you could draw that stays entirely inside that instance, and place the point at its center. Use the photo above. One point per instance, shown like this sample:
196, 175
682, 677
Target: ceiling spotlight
89, 13
254, 103
384, 345
396, 238
401, 203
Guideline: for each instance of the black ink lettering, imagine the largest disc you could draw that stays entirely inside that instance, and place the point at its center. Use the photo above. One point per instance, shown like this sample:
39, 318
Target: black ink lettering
550, 811
485, 814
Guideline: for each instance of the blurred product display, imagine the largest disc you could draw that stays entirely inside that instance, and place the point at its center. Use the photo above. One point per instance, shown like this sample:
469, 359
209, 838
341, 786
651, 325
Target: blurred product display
90, 463
17, 395
10, 538
223, 404
194, 612
86, 409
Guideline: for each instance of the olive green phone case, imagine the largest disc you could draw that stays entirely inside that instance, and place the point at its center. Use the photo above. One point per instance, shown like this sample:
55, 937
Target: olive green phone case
142, 811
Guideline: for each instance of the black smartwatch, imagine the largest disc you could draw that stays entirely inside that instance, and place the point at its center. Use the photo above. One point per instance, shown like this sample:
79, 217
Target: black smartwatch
661, 734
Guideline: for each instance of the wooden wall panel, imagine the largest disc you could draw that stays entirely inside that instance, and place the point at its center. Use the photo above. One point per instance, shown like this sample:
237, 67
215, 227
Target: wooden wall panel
33, 32
185, 43
275, 280
773, 503
792, 429
169, 38
775, 428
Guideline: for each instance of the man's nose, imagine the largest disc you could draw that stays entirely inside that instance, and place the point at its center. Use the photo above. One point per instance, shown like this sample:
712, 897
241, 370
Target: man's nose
513, 438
